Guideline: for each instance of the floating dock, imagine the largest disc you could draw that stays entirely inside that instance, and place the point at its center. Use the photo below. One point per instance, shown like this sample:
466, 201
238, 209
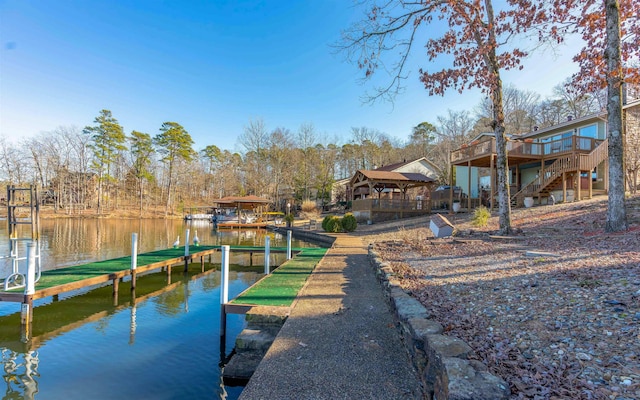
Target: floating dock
242, 225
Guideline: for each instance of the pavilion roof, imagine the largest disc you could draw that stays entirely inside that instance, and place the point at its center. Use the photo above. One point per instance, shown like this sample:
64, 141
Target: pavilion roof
389, 179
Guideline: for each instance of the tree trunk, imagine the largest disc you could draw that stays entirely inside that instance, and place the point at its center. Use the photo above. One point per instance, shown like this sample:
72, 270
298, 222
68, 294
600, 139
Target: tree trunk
616, 211
99, 204
168, 203
141, 197
502, 165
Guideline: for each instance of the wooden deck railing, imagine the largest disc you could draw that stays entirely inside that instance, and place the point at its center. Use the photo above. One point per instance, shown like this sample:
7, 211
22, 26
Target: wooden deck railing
391, 205
571, 162
515, 147
589, 161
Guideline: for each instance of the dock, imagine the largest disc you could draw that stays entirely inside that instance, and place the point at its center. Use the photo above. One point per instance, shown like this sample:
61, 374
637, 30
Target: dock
90, 306
62, 280
281, 287
242, 225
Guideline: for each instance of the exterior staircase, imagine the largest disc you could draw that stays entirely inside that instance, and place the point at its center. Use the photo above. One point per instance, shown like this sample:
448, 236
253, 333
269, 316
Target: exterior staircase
552, 176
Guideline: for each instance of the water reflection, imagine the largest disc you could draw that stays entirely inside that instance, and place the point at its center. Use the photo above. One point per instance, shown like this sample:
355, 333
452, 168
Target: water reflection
159, 312
20, 372
90, 343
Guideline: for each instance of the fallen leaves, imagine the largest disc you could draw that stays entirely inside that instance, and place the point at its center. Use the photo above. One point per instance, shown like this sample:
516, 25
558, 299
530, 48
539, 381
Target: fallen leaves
553, 327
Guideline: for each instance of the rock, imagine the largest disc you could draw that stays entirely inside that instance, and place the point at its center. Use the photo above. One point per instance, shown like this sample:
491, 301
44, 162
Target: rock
267, 315
439, 347
615, 303
241, 366
583, 356
468, 380
255, 339
408, 307
421, 327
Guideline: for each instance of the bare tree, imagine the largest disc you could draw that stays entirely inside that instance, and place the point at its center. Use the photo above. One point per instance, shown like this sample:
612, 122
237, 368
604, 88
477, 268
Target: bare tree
453, 130
255, 140
280, 162
305, 140
12, 164
577, 102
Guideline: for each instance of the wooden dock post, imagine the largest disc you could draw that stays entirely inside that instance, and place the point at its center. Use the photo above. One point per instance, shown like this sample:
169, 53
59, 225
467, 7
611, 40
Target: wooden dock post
134, 263
267, 251
289, 245
116, 287
224, 288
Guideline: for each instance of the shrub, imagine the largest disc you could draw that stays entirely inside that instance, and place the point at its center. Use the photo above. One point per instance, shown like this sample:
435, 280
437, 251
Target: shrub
349, 222
333, 224
309, 207
481, 216
325, 222
309, 210
289, 218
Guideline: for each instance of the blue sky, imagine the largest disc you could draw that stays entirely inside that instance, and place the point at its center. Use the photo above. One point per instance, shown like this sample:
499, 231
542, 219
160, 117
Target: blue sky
212, 66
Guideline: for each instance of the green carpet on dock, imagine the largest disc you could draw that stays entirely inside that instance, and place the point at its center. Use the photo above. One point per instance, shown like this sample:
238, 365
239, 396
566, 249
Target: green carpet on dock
281, 287
61, 276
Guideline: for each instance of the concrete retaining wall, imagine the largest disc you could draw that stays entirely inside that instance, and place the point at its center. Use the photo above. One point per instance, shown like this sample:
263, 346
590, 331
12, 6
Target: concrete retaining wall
442, 361
309, 236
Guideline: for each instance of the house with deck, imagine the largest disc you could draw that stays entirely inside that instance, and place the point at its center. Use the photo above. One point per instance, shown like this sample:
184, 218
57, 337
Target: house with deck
564, 162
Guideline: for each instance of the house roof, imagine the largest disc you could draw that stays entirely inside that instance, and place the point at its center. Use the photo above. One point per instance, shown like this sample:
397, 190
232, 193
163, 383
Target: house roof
391, 167
399, 165
566, 124
242, 199
244, 202
389, 179
483, 135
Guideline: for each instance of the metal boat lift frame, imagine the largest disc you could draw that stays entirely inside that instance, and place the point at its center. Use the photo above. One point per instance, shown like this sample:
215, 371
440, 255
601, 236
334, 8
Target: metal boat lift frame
19, 199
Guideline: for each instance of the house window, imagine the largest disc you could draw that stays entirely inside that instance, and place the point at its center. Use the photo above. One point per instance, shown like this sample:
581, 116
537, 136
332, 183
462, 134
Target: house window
587, 135
590, 131
567, 141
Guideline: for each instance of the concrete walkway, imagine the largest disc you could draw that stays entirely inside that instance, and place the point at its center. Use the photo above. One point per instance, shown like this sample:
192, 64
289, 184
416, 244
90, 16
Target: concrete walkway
339, 341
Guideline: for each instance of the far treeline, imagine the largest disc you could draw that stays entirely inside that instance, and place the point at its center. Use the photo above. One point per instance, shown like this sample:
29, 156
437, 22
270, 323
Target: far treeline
101, 169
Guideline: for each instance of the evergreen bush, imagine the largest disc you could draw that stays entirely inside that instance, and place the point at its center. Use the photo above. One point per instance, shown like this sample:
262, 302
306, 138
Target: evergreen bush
349, 222
325, 222
334, 224
289, 218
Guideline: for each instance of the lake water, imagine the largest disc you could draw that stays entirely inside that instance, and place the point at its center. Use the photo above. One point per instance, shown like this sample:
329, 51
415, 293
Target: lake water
163, 344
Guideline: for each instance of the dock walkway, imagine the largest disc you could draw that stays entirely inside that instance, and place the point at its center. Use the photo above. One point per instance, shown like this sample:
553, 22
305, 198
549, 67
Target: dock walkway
281, 287
339, 341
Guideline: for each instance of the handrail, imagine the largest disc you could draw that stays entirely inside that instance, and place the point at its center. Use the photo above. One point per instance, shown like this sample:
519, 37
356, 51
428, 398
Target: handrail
599, 154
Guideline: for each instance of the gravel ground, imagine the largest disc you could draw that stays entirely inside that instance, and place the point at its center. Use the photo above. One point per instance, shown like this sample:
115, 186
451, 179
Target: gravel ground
554, 309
